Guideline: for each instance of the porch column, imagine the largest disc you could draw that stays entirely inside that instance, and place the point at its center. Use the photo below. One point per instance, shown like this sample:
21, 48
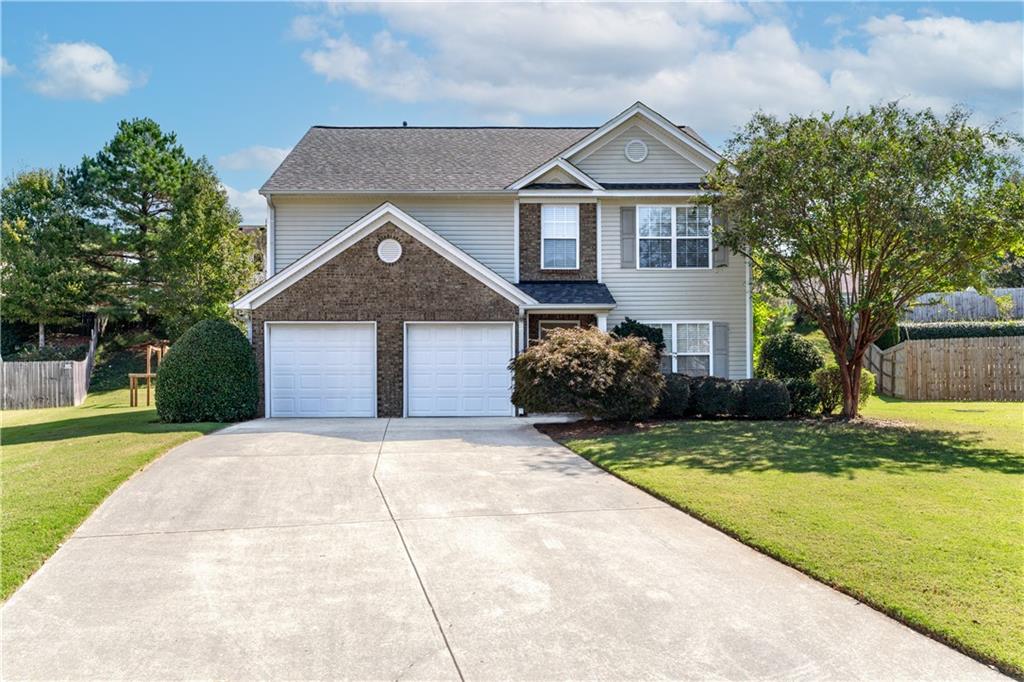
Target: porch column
602, 321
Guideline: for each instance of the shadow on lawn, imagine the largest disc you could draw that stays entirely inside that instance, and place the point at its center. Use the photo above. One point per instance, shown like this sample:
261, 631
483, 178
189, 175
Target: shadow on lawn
827, 448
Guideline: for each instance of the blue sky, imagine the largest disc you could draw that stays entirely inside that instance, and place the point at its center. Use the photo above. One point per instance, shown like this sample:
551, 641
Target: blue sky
240, 82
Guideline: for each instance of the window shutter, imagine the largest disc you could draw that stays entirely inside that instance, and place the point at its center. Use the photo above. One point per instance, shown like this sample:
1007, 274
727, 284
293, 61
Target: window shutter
720, 339
720, 253
627, 231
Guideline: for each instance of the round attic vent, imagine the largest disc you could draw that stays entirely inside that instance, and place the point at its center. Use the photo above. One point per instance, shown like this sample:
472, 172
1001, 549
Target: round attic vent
389, 250
636, 150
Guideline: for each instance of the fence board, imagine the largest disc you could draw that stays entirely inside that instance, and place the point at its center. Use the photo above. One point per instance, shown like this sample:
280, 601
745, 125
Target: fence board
46, 383
951, 369
963, 305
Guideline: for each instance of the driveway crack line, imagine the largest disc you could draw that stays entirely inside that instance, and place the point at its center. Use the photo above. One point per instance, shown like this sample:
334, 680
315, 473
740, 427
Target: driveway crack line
408, 554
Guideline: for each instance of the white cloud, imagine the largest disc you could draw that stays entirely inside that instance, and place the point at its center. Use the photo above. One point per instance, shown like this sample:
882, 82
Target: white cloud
256, 157
706, 64
251, 204
6, 68
82, 71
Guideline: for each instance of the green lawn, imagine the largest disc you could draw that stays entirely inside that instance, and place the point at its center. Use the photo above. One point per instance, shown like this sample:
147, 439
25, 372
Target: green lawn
58, 464
926, 522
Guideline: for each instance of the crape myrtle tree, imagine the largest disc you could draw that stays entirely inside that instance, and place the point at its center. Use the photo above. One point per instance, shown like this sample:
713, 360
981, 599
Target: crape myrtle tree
51, 259
854, 216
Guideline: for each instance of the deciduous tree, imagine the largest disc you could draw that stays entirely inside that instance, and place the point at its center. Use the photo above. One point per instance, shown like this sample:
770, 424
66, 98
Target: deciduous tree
854, 216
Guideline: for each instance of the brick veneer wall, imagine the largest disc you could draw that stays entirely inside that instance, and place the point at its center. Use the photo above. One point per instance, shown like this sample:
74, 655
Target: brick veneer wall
533, 328
529, 246
357, 286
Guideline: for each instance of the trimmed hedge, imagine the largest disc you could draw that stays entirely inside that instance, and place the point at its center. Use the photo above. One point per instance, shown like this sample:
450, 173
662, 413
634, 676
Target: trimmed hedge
804, 397
765, 399
208, 375
586, 370
675, 397
949, 330
830, 387
789, 356
717, 397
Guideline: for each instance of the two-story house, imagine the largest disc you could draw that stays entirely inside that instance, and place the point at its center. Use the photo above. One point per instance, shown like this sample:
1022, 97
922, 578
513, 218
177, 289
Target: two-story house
407, 265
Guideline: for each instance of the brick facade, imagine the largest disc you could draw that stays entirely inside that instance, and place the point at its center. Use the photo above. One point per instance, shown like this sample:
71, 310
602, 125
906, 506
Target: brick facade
533, 320
357, 286
529, 246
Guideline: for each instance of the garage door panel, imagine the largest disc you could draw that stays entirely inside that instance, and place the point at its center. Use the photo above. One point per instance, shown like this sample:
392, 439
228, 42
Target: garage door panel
322, 370
459, 369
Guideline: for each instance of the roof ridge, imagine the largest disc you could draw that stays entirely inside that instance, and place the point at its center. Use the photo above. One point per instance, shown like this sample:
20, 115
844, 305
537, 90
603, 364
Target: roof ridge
328, 127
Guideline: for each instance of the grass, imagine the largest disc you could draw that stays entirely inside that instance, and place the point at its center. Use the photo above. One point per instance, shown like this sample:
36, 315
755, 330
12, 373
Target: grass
58, 464
924, 519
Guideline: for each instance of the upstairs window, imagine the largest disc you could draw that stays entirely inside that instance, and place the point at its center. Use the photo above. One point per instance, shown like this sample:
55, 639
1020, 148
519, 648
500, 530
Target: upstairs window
560, 236
673, 236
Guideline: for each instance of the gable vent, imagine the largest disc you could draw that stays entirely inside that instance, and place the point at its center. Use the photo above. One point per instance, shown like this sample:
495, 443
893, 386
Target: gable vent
389, 250
636, 150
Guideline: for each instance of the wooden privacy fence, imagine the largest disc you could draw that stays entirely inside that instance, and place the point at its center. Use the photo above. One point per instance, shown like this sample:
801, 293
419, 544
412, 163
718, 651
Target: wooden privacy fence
46, 383
951, 369
964, 305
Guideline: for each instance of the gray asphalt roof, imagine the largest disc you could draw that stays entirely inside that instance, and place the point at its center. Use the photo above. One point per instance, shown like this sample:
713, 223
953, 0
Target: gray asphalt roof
568, 292
417, 159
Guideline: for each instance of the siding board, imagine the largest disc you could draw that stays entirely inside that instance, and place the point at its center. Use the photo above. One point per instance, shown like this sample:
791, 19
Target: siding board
483, 228
663, 164
718, 294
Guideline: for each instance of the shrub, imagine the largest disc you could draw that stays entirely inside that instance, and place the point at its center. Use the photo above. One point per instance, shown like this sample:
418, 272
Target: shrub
30, 352
586, 370
949, 330
789, 356
675, 397
717, 397
765, 399
830, 387
804, 397
208, 375
653, 335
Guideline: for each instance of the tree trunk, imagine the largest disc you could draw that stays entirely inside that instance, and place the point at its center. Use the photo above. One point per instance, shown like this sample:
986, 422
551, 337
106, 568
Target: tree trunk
42, 335
850, 372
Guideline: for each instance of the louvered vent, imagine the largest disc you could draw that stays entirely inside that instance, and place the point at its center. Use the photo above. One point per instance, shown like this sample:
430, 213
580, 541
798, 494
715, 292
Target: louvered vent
636, 150
389, 250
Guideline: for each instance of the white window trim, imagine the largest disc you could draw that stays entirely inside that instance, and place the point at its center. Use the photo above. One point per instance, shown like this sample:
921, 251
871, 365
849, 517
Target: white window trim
675, 238
576, 207
674, 354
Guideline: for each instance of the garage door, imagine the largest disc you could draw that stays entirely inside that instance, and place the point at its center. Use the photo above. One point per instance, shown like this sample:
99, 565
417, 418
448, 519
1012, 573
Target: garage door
322, 370
458, 369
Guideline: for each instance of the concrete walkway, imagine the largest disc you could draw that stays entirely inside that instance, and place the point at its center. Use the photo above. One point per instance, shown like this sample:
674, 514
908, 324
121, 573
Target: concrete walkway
429, 549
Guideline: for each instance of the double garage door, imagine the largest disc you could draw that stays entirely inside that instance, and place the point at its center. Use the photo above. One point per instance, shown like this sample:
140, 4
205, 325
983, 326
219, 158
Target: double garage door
330, 369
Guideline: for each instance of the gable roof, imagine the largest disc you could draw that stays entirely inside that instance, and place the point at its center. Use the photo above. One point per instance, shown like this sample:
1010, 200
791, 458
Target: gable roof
582, 178
385, 213
410, 159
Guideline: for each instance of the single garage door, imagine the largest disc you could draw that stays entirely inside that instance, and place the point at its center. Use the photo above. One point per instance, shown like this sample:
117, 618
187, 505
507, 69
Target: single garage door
458, 369
322, 369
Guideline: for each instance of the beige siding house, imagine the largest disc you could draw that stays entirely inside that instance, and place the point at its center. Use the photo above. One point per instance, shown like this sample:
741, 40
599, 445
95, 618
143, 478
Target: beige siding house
406, 266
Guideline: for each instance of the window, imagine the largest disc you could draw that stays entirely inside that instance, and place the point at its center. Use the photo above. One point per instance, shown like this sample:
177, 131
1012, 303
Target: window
559, 236
687, 347
673, 236
545, 326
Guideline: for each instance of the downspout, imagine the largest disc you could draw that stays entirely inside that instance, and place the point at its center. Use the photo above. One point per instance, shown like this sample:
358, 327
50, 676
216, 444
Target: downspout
271, 237
515, 242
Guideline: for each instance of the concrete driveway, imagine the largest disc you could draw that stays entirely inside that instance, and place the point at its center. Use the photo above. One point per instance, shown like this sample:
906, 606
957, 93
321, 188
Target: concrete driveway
430, 549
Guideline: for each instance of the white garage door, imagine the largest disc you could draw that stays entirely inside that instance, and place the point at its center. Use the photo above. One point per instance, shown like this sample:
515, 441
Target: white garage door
322, 370
458, 369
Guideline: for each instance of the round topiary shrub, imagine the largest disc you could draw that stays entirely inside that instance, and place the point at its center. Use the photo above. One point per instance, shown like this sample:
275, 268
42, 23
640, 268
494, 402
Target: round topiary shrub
830, 387
675, 397
717, 397
585, 370
765, 399
789, 356
804, 397
208, 375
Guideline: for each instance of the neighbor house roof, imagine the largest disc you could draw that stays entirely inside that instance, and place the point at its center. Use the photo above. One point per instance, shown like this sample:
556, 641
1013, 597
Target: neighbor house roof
585, 293
422, 159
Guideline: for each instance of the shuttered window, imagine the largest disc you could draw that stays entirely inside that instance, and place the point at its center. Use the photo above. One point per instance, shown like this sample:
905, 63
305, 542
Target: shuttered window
560, 236
687, 347
673, 237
